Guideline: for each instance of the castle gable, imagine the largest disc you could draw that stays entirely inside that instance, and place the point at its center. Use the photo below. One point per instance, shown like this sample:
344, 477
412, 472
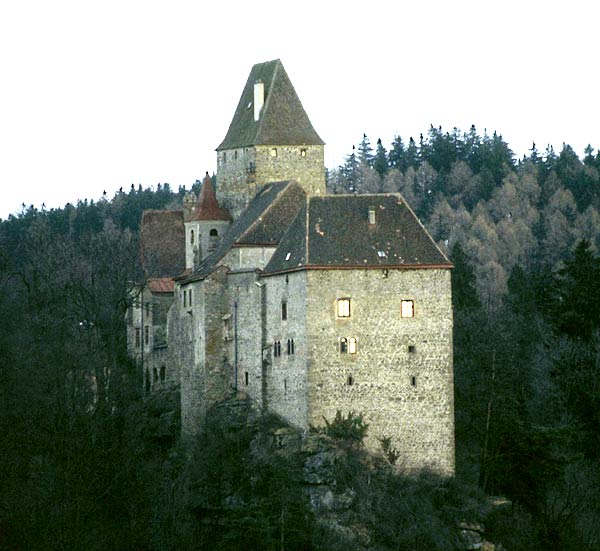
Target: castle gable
282, 119
263, 223
356, 231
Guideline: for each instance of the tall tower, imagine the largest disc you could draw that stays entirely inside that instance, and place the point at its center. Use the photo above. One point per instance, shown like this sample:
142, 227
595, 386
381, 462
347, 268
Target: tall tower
205, 226
269, 139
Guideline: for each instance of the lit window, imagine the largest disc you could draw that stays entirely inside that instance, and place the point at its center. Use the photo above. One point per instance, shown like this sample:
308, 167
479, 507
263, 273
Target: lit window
371, 215
352, 346
343, 345
381, 254
407, 309
303, 152
343, 308
273, 152
283, 310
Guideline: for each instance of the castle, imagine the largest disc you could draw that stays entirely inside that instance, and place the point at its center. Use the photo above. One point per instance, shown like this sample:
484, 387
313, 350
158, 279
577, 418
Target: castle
302, 302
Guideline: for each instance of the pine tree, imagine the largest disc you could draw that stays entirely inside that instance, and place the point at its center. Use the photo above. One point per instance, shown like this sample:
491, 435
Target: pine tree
365, 152
380, 163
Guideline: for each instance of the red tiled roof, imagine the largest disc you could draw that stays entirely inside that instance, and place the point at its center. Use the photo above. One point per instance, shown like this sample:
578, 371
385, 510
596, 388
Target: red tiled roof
161, 285
208, 206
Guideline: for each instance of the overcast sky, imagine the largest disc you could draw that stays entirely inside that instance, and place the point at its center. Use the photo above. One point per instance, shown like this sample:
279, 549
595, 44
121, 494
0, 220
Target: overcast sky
99, 95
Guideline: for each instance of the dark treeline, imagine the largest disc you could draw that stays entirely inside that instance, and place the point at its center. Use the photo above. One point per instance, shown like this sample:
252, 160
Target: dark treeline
83, 467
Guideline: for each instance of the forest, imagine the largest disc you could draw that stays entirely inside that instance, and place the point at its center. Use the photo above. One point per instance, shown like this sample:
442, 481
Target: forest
83, 466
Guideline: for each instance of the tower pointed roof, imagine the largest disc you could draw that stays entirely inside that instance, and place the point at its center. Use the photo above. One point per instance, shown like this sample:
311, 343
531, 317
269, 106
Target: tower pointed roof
208, 206
282, 119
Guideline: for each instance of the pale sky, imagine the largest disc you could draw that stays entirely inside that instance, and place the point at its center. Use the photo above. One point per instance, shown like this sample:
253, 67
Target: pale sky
99, 95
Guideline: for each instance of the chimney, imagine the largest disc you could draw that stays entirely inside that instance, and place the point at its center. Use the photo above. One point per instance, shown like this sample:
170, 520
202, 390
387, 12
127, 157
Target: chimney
259, 98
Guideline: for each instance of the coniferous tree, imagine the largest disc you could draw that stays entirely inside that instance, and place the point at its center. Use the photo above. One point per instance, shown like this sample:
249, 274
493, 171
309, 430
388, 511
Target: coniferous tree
380, 162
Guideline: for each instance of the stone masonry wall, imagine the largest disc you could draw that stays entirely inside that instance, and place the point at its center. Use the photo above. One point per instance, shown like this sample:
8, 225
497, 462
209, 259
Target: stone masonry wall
286, 374
242, 172
405, 393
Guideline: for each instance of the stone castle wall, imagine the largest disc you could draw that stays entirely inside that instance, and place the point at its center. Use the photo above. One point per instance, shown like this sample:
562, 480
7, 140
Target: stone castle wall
286, 375
405, 393
242, 172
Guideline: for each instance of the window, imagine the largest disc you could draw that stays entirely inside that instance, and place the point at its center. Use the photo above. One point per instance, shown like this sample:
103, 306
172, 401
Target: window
273, 152
137, 337
277, 349
246, 378
192, 237
350, 380
407, 309
224, 158
352, 345
372, 215
146, 334
154, 375
235, 154
303, 152
227, 333
343, 345
185, 298
190, 298
413, 381
285, 387
163, 373
284, 310
412, 349
343, 308
213, 233
290, 347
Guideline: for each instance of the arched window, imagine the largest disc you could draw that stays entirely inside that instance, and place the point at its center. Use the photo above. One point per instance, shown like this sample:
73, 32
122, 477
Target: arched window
213, 238
343, 345
163, 373
352, 345
214, 233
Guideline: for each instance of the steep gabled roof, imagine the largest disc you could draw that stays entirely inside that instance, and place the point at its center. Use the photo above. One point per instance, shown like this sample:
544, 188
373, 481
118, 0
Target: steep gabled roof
282, 120
263, 223
208, 207
162, 243
334, 232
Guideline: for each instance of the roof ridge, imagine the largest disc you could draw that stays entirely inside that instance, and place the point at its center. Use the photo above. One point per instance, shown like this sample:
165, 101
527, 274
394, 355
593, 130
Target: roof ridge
267, 209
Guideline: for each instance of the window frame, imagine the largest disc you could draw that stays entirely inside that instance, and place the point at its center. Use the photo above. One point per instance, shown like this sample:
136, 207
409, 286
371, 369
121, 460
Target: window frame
340, 314
412, 308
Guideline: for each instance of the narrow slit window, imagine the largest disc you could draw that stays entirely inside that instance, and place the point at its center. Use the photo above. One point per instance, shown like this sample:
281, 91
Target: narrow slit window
407, 309
246, 378
277, 349
350, 380
154, 375
343, 308
413, 381
290, 347
184, 299
137, 337
352, 345
284, 310
146, 334
190, 298
192, 237
163, 373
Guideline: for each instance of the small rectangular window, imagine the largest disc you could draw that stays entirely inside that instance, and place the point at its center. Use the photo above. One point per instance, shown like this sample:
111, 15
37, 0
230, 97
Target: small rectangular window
412, 349
185, 298
137, 337
413, 381
146, 334
277, 349
407, 309
290, 347
303, 152
273, 152
343, 308
246, 377
283, 310
190, 299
